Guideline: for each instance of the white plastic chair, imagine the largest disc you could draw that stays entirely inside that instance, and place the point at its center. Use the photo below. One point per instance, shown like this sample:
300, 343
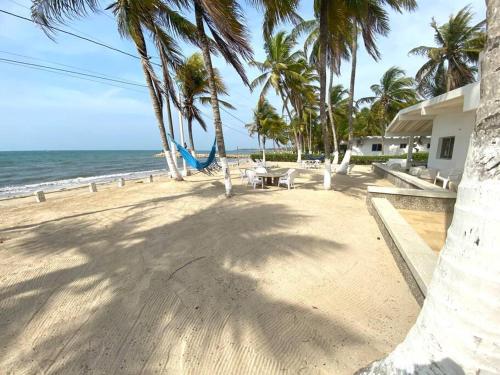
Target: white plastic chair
453, 176
253, 179
261, 169
243, 175
288, 180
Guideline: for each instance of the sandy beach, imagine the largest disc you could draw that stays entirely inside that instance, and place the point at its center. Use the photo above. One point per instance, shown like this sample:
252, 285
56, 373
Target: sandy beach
173, 278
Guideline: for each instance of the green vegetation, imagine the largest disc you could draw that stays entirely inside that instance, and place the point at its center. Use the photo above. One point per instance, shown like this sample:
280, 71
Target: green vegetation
453, 62
358, 160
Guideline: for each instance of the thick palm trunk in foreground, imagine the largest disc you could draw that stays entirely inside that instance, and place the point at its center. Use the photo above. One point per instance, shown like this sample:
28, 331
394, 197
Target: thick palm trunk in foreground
213, 98
327, 177
344, 166
458, 329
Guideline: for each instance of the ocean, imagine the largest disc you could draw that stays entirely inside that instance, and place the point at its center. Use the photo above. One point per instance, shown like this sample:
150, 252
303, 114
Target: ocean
24, 172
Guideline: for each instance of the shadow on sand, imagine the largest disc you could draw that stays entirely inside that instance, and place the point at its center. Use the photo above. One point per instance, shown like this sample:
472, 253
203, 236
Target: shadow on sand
179, 294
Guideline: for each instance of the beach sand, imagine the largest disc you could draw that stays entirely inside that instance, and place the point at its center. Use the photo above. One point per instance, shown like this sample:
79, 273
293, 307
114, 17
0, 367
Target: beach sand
174, 278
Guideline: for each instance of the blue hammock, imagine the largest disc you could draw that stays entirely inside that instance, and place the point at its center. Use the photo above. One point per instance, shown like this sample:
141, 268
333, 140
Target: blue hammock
192, 161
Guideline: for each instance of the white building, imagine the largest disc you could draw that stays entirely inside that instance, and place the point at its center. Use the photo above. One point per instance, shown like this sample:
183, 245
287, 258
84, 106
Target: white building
449, 119
372, 145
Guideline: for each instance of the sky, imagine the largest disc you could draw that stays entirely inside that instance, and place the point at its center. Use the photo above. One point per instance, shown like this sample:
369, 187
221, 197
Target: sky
40, 110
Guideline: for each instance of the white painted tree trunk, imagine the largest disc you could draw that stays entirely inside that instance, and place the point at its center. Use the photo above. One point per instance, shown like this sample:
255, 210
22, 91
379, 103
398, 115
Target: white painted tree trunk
458, 329
409, 153
327, 174
172, 169
185, 170
299, 151
173, 147
344, 166
335, 158
227, 176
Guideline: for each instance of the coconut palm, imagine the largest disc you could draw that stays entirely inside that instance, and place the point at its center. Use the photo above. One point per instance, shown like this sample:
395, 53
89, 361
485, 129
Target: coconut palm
266, 124
394, 92
453, 62
367, 18
133, 18
280, 67
337, 50
457, 330
192, 78
224, 21
337, 111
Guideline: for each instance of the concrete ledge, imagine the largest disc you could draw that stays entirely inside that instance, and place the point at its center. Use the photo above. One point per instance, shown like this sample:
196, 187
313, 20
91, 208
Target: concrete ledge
415, 199
414, 257
403, 180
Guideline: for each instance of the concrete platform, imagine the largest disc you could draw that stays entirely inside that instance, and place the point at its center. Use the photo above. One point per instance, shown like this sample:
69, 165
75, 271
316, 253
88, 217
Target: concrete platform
415, 199
402, 179
414, 257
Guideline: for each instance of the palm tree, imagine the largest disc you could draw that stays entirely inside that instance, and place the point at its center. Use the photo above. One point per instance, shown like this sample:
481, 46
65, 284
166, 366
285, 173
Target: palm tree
368, 18
336, 51
133, 17
453, 63
337, 112
280, 67
394, 92
224, 20
457, 330
192, 78
266, 124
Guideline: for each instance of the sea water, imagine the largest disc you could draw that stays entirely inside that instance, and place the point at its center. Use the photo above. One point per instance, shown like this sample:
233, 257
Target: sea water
24, 172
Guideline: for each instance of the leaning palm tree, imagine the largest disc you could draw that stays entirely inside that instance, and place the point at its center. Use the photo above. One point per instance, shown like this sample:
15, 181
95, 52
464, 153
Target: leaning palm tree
453, 63
368, 18
192, 78
133, 18
458, 328
224, 20
394, 92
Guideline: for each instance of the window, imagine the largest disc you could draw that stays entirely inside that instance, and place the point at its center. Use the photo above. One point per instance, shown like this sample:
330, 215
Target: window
428, 145
377, 147
403, 145
445, 147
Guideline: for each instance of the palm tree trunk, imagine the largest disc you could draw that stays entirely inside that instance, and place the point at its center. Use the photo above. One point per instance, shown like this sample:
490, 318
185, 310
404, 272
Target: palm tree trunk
297, 140
219, 136
458, 329
170, 126
323, 35
344, 166
157, 105
190, 134
332, 121
264, 150
166, 80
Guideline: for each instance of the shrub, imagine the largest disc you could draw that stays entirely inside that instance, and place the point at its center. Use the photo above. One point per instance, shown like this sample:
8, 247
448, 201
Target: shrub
359, 160
276, 156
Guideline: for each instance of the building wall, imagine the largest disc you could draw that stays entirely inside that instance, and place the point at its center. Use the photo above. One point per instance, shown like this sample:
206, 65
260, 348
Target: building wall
459, 125
391, 147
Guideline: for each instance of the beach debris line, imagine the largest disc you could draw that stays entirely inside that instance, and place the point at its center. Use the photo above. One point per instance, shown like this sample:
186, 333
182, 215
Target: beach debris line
40, 196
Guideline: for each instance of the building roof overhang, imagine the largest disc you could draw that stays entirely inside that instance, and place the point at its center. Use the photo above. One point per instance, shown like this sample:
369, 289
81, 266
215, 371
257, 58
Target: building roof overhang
418, 119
